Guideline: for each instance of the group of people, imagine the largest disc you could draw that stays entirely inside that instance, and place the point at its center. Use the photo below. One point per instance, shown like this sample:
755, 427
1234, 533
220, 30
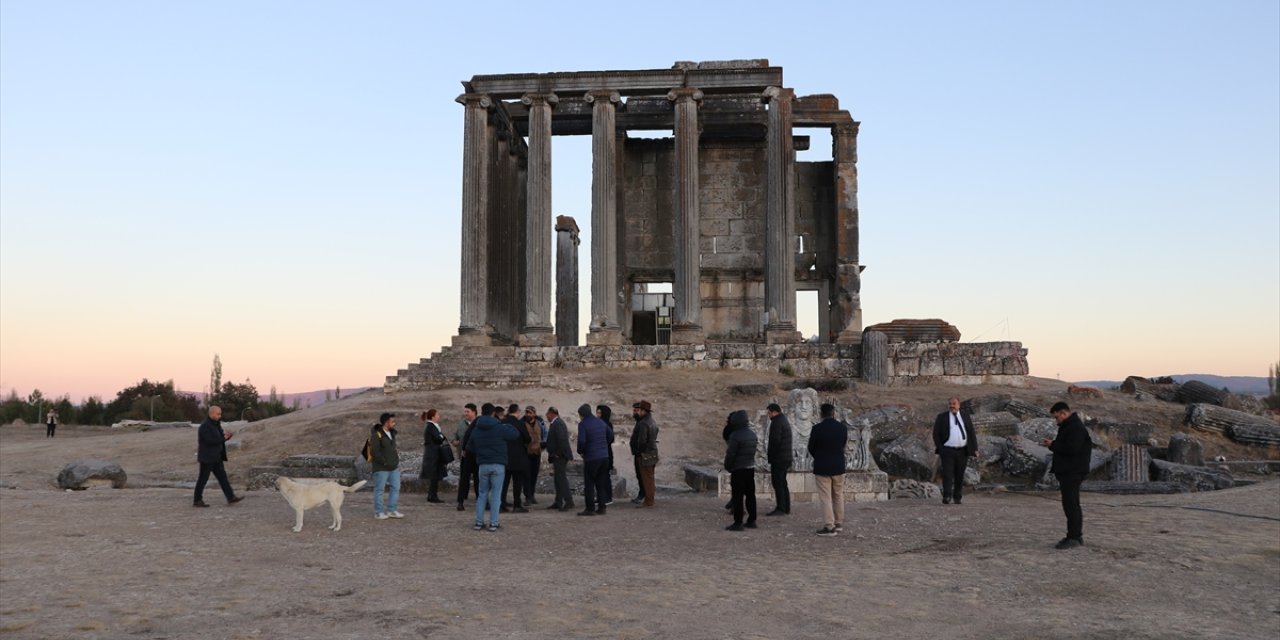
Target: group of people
501, 450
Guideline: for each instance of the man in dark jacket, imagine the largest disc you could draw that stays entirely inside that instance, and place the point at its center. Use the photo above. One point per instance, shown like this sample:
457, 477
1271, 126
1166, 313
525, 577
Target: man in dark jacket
386, 467
488, 445
644, 448
593, 446
778, 453
955, 442
517, 461
211, 452
559, 453
826, 445
468, 473
1071, 449
740, 462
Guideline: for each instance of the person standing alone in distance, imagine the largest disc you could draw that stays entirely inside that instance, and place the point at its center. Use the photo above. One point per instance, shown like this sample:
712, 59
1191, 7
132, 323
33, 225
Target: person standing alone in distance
51, 423
955, 442
211, 452
1072, 449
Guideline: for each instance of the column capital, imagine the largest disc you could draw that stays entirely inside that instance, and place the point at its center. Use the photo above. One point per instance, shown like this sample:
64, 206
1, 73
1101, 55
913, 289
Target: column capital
846, 129
603, 95
685, 94
549, 99
481, 100
777, 93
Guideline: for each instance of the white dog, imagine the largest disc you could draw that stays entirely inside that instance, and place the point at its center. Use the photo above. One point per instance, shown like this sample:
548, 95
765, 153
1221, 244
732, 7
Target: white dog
303, 495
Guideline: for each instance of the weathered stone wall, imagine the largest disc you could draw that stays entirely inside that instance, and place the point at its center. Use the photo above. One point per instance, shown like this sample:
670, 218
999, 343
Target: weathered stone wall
815, 210
991, 362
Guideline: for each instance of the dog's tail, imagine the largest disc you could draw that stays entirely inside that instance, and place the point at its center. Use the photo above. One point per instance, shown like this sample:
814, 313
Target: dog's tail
355, 487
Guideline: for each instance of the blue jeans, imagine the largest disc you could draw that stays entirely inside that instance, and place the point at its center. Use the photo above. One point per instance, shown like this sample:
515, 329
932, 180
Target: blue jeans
381, 478
491, 476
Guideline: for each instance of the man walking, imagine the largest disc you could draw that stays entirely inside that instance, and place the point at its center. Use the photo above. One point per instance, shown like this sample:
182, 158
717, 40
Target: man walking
386, 467
211, 452
780, 457
467, 470
559, 453
1071, 449
740, 462
488, 445
593, 446
644, 448
955, 442
826, 446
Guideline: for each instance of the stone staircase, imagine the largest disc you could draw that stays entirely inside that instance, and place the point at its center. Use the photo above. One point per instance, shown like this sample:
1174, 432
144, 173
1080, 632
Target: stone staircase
482, 367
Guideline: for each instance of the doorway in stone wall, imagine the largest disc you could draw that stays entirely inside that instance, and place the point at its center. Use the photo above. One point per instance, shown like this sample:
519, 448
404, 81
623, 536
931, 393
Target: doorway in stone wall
651, 307
807, 313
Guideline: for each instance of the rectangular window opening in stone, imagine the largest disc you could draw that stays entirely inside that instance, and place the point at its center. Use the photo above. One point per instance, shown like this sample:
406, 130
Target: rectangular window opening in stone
651, 307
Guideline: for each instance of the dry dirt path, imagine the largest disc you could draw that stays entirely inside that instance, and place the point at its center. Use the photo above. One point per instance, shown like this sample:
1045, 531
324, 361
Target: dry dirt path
141, 563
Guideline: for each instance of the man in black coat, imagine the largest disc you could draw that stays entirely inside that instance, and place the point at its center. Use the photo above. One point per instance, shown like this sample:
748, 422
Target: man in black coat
211, 452
955, 442
826, 444
740, 462
1072, 449
517, 461
559, 453
778, 453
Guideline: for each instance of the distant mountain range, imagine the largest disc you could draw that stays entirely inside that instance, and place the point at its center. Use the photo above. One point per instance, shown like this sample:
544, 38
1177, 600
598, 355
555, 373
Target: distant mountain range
1247, 385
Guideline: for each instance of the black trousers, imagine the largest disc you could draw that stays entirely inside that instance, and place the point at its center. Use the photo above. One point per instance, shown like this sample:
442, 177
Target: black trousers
595, 480
560, 473
535, 462
49, 429
1070, 486
639, 485
468, 477
781, 492
218, 472
954, 462
514, 482
742, 484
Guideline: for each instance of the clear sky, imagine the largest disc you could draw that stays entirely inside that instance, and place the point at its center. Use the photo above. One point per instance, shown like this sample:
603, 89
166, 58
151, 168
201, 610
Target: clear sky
280, 183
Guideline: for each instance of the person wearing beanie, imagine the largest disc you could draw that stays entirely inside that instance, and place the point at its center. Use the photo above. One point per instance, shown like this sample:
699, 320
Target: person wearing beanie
593, 446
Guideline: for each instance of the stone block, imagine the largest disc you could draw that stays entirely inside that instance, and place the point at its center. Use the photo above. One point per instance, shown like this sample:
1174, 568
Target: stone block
1186, 449
91, 473
1024, 458
914, 489
997, 423
908, 456
1193, 478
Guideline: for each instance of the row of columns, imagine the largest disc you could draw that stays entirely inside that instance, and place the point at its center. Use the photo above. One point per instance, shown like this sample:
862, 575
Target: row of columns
606, 298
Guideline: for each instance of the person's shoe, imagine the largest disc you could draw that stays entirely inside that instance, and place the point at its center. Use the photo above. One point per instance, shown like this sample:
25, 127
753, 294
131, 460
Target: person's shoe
519, 510
567, 507
504, 509
395, 514
435, 500
504, 505
751, 524
643, 506
734, 527
530, 500
380, 516
826, 531
235, 499
729, 504
494, 527
600, 511
637, 500
946, 501
776, 512
839, 528
460, 507
554, 506
586, 512
957, 500
1068, 543
608, 502
479, 526
199, 503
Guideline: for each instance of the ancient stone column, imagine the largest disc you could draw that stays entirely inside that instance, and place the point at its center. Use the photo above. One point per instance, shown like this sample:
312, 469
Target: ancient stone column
686, 325
536, 328
604, 218
566, 282
779, 242
846, 307
473, 328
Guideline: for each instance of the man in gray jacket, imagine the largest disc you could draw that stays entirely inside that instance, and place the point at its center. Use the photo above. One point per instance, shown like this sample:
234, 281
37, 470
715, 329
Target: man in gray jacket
559, 453
740, 462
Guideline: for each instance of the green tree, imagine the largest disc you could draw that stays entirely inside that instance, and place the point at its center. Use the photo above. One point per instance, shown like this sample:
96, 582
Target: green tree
215, 379
238, 401
36, 413
146, 399
92, 411
1273, 383
12, 408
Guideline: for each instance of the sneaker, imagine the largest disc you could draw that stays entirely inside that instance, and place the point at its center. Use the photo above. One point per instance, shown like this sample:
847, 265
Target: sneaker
839, 528
460, 507
751, 524
395, 514
734, 527
479, 526
1069, 543
637, 500
609, 502
493, 527
380, 516
826, 531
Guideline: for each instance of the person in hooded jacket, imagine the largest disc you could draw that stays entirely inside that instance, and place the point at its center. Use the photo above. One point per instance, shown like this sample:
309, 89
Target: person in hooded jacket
605, 413
1072, 450
740, 462
488, 444
593, 447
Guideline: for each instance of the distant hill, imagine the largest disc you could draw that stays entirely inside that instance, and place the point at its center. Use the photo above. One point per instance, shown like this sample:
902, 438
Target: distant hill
1248, 385
305, 399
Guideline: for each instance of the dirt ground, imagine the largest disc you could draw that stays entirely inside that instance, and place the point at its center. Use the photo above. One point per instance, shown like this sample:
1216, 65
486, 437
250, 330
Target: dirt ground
141, 563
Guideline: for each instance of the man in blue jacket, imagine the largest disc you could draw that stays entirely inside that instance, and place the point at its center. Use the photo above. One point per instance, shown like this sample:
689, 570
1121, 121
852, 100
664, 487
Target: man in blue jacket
488, 444
593, 446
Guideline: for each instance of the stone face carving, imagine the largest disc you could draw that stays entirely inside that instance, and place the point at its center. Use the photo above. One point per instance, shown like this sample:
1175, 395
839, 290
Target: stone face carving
802, 410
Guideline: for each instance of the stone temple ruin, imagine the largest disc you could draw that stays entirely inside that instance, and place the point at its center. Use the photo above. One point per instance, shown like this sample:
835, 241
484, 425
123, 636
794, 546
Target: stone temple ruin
721, 211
